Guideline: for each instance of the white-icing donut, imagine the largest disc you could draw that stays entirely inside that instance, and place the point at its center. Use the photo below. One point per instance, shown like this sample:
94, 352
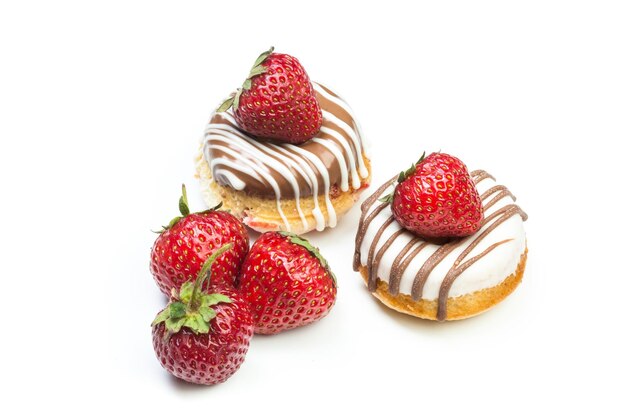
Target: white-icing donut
413, 269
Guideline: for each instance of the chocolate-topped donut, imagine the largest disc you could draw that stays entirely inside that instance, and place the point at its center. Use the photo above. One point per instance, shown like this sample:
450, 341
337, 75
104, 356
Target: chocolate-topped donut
306, 184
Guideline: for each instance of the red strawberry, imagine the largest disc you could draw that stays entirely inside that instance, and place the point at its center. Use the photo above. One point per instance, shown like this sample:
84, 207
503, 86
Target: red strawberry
203, 338
287, 283
183, 246
437, 198
277, 100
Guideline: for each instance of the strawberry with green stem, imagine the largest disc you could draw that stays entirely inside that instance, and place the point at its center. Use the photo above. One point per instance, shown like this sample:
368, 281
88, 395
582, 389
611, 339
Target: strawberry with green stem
189, 239
203, 337
437, 198
277, 100
287, 283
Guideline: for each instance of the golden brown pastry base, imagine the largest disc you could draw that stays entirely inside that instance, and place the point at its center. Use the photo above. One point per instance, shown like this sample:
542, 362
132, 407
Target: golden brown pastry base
261, 214
458, 307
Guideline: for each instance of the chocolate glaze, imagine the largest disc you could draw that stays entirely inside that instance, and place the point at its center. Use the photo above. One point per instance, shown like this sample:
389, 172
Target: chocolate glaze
365, 221
416, 244
333, 152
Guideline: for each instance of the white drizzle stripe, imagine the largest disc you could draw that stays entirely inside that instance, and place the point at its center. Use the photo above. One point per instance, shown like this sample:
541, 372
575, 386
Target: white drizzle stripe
216, 162
255, 159
271, 181
332, 147
288, 175
322, 90
356, 179
249, 146
320, 222
338, 100
321, 168
292, 160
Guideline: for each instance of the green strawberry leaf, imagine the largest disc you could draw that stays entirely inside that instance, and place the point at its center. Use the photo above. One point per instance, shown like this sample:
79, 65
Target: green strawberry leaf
226, 104
406, 174
193, 307
254, 72
237, 97
207, 313
262, 57
174, 325
212, 208
196, 323
212, 299
183, 205
171, 224
177, 310
386, 199
185, 292
257, 69
161, 317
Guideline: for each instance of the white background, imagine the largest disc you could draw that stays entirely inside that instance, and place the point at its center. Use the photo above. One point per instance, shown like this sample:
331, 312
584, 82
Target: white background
101, 108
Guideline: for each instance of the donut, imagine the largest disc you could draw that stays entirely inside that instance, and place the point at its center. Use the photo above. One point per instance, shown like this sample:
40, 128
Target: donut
449, 280
274, 186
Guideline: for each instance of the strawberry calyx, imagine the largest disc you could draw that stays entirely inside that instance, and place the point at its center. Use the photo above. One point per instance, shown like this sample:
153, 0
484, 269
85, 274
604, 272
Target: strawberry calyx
183, 207
191, 307
298, 240
403, 176
406, 174
257, 69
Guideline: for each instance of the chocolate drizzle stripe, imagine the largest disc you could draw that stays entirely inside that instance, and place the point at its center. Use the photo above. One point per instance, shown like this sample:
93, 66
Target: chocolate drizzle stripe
369, 201
353, 130
359, 237
327, 90
398, 268
416, 244
248, 167
295, 162
430, 264
502, 215
365, 222
479, 175
328, 137
382, 250
238, 145
495, 189
451, 276
503, 193
370, 255
320, 167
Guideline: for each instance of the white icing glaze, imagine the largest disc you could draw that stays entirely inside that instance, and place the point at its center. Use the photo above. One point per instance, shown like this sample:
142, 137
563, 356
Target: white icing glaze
244, 154
487, 272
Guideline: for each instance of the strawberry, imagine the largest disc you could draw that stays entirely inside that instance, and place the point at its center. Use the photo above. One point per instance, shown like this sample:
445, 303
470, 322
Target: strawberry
183, 246
437, 198
277, 100
203, 338
287, 283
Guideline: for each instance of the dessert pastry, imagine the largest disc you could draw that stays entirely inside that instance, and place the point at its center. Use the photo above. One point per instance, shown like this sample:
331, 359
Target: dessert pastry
291, 184
437, 279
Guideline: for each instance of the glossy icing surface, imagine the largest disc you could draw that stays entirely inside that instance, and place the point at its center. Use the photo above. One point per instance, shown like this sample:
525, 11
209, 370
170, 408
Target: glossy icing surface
333, 160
